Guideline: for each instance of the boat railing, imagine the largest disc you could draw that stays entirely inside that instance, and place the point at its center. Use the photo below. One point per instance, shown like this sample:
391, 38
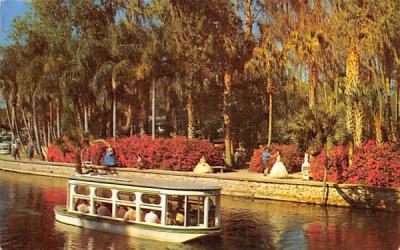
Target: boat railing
196, 209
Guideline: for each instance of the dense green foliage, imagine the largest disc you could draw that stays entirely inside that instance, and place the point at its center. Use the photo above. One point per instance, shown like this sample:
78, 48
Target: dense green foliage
252, 71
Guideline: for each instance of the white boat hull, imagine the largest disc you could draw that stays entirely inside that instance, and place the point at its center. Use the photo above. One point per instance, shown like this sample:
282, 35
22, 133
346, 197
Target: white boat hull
130, 229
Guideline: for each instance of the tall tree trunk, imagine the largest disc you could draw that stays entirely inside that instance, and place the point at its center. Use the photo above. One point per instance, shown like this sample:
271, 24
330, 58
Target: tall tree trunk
313, 86
190, 117
398, 97
378, 130
143, 115
27, 126
249, 21
48, 134
168, 110
16, 126
44, 134
114, 90
50, 125
58, 119
270, 93
355, 112
128, 123
9, 118
86, 120
153, 110
38, 145
392, 129
227, 117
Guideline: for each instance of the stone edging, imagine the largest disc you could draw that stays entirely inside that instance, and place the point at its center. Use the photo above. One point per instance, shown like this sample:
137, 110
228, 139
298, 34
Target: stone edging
275, 189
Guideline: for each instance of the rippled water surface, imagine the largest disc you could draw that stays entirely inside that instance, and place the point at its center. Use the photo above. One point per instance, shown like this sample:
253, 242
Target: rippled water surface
27, 222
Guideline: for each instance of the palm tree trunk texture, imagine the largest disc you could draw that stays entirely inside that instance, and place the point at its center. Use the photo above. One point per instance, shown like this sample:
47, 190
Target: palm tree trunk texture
398, 96
227, 117
378, 130
9, 117
128, 123
397, 100
190, 115
38, 145
355, 112
270, 92
27, 126
249, 21
143, 116
16, 125
313, 86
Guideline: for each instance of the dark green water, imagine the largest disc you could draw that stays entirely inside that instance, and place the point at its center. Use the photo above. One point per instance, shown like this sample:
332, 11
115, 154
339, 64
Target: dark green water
27, 222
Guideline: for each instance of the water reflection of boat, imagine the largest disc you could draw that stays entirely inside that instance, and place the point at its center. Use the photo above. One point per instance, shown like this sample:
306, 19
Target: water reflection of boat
159, 210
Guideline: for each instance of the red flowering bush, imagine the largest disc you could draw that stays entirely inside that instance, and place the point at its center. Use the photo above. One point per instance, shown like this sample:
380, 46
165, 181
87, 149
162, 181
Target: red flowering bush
338, 164
178, 153
371, 165
62, 153
290, 156
376, 166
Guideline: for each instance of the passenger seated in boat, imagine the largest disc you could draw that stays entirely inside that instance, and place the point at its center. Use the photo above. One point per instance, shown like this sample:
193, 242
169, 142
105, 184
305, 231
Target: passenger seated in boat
151, 217
130, 214
121, 212
102, 210
82, 206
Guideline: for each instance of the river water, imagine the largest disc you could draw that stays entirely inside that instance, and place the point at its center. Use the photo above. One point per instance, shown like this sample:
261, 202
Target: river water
27, 222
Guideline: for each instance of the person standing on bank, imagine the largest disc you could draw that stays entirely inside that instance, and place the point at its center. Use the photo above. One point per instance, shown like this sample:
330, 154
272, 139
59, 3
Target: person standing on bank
278, 169
265, 159
15, 151
30, 152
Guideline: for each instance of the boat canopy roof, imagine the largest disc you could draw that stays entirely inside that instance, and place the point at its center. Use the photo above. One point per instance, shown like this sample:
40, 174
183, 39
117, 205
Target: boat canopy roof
148, 183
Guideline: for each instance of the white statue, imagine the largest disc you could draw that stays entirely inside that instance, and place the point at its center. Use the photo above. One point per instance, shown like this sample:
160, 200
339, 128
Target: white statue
305, 168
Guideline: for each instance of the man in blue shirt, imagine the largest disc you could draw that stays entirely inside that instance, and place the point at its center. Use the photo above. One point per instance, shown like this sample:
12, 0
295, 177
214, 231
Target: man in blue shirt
265, 159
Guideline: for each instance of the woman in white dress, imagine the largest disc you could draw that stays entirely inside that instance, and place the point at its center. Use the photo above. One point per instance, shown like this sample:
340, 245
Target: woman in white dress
278, 169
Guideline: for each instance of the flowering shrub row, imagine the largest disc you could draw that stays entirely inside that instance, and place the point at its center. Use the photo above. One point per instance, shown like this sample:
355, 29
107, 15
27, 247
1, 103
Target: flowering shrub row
371, 165
178, 153
290, 156
338, 164
65, 153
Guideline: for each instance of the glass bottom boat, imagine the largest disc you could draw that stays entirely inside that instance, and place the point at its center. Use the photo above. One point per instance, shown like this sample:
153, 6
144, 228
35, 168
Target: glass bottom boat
145, 208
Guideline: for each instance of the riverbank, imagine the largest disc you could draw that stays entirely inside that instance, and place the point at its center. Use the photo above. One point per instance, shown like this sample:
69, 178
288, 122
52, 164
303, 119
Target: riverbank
242, 184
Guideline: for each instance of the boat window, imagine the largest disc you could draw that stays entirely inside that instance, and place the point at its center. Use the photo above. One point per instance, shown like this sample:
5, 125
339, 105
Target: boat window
103, 193
126, 196
151, 199
127, 213
175, 210
82, 190
195, 210
82, 205
103, 208
150, 216
212, 210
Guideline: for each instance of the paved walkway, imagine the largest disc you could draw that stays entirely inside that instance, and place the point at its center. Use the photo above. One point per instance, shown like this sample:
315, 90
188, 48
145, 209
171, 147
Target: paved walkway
243, 174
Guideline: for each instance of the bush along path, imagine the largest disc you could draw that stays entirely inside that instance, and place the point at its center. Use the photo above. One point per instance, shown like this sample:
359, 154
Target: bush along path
178, 153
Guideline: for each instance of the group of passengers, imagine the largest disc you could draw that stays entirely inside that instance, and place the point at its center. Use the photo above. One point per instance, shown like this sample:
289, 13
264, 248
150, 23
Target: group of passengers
174, 216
